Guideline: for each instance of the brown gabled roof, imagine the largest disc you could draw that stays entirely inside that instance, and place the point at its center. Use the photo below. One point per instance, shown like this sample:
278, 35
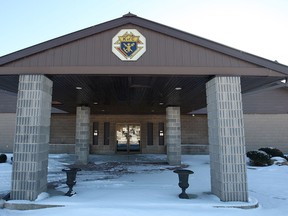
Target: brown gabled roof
163, 29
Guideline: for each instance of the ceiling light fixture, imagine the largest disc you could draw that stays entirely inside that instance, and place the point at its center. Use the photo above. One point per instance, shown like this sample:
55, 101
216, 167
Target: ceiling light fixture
56, 103
78, 87
178, 88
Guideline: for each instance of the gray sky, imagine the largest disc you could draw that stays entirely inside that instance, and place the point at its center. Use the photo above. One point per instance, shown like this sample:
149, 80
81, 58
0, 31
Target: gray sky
258, 27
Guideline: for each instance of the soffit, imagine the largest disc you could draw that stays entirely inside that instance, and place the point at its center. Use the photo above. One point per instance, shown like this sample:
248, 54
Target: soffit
130, 94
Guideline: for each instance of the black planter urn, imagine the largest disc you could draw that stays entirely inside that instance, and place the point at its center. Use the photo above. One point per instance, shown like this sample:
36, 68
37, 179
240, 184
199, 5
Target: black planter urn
71, 179
183, 175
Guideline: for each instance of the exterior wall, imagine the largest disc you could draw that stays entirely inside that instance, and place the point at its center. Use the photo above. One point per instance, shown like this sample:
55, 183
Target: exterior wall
194, 132
159, 46
8, 102
270, 130
267, 101
193, 129
62, 134
7, 131
135, 119
63, 127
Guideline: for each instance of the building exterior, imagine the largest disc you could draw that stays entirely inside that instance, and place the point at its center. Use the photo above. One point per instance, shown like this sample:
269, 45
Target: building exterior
130, 85
265, 121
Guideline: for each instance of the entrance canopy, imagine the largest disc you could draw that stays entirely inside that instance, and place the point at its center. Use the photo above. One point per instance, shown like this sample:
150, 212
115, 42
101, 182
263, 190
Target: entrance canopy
173, 70
132, 66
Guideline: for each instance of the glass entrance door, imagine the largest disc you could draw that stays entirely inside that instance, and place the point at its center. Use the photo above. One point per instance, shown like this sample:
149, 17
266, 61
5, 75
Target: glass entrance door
128, 137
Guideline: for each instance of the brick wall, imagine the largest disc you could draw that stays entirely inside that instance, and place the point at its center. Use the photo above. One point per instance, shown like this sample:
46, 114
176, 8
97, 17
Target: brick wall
194, 129
261, 130
63, 127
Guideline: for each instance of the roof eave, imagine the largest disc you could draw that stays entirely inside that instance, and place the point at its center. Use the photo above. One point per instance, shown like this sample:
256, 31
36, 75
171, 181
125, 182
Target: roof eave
64, 39
211, 45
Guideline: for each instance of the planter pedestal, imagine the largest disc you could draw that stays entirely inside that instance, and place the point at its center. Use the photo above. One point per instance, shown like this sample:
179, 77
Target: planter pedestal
71, 180
183, 175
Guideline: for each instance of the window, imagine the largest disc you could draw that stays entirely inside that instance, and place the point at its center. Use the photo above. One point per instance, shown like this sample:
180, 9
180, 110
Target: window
106, 133
149, 133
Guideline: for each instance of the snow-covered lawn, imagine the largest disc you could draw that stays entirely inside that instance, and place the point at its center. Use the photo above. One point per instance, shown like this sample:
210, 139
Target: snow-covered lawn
141, 185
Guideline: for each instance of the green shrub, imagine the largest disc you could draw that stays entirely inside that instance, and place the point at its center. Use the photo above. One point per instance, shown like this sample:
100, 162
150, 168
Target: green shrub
273, 152
3, 158
259, 158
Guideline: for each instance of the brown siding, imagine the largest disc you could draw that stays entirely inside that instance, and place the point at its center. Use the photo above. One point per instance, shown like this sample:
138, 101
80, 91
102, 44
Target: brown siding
270, 101
268, 130
162, 50
8, 102
7, 130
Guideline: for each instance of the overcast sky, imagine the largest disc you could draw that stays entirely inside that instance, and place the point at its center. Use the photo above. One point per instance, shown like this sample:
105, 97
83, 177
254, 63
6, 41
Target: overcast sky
258, 27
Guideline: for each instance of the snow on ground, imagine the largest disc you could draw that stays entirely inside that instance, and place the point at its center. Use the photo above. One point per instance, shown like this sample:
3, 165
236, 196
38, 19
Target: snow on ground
142, 185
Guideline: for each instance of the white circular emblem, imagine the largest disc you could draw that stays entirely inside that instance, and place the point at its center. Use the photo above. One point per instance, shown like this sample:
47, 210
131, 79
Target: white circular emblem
128, 44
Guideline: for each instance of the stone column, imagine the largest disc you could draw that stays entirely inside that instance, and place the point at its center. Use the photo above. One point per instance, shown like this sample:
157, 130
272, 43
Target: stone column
31, 142
82, 134
173, 135
226, 139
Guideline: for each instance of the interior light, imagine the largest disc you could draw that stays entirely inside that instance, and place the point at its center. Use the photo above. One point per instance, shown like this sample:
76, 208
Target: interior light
56, 103
78, 88
178, 88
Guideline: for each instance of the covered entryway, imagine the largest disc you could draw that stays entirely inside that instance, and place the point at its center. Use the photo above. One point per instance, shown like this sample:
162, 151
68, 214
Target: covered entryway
128, 138
173, 74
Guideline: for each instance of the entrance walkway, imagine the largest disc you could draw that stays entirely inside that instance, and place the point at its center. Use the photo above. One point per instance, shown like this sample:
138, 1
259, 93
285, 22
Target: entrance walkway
128, 185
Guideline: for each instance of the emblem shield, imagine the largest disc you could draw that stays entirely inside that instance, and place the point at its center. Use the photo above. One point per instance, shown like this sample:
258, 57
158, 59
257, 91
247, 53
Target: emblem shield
129, 45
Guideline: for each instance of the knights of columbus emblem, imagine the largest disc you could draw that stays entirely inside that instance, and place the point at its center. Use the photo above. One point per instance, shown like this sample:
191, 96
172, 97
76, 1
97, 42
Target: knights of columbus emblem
129, 45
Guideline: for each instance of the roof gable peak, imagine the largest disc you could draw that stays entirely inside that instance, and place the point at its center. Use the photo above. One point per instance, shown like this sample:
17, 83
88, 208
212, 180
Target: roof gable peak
129, 15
